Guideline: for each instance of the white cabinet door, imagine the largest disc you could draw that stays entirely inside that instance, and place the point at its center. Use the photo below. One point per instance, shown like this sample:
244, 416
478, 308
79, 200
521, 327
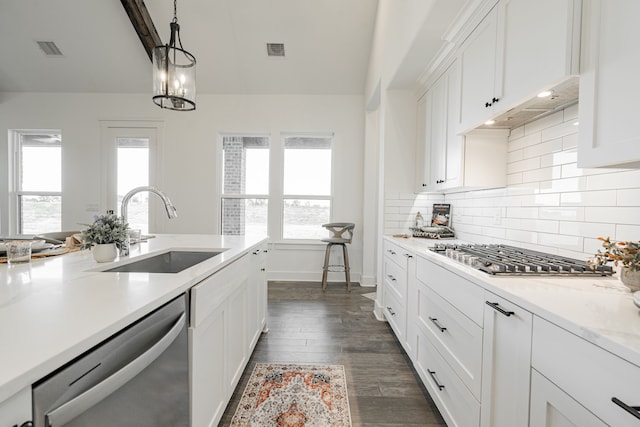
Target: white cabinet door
609, 85
519, 49
17, 409
437, 130
423, 148
208, 362
411, 339
477, 62
256, 297
552, 407
538, 46
237, 354
506, 363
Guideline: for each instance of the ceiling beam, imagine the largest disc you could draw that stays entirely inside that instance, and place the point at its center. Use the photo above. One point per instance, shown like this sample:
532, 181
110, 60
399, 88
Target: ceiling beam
143, 24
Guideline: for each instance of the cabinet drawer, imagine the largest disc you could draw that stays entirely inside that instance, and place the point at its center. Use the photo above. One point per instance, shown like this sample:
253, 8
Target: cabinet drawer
459, 292
454, 400
589, 374
207, 295
454, 335
395, 313
395, 253
395, 278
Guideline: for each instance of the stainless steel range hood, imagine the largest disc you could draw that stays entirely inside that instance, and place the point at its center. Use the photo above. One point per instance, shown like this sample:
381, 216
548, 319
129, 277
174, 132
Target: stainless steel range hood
563, 95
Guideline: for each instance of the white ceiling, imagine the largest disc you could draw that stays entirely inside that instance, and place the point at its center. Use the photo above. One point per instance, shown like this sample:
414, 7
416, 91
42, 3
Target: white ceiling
327, 45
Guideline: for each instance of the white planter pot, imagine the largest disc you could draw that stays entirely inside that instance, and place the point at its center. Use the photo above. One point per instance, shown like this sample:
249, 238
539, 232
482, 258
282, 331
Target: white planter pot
105, 252
631, 279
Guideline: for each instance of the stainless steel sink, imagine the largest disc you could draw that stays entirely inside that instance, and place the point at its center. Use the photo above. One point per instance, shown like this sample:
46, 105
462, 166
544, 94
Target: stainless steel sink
168, 262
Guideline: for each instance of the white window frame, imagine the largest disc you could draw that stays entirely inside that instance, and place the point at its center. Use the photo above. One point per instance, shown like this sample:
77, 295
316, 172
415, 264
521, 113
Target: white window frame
283, 197
15, 193
220, 167
110, 131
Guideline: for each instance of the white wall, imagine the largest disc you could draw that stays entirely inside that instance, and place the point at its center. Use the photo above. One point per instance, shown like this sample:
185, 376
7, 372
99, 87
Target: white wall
188, 150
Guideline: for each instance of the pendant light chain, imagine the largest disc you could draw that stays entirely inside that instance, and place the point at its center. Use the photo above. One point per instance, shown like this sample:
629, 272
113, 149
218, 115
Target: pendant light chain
175, 11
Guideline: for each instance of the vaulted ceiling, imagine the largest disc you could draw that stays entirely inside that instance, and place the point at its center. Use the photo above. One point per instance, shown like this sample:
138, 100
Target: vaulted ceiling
327, 45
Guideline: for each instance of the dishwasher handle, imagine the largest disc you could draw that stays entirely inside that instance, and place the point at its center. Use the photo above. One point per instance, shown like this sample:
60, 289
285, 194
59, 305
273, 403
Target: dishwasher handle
71, 409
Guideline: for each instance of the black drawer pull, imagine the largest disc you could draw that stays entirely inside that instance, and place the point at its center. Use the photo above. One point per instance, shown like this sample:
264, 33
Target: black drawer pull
391, 252
393, 279
494, 100
408, 255
633, 410
487, 105
391, 311
499, 309
438, 325
435, 380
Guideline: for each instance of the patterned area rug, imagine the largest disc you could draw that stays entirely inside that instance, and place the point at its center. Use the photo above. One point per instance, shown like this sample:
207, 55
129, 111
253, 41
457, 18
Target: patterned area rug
294, 396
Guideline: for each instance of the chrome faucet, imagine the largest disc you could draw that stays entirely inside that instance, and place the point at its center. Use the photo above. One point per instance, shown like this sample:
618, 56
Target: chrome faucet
171, 210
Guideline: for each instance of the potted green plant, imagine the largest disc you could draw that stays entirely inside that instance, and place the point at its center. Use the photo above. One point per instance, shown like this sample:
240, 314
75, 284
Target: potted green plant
108, 233
624, 254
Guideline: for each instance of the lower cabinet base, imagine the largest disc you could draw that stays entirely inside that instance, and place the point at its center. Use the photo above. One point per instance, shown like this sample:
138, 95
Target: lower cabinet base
454, 400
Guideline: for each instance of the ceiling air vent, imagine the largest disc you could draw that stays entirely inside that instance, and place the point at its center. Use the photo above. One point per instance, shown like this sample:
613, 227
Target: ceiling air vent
49, 48
275, 49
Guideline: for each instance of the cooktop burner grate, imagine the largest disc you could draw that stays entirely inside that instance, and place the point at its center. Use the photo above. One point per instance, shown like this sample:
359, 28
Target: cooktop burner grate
510, 260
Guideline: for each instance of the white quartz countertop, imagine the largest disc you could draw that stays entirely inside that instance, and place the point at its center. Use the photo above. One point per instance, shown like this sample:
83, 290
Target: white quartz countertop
54, 309
598, 309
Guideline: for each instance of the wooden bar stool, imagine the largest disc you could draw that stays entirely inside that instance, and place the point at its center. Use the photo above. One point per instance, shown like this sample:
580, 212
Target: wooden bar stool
341, 234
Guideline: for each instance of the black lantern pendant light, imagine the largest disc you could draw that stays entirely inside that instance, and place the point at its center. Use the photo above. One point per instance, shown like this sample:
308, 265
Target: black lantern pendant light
174, 73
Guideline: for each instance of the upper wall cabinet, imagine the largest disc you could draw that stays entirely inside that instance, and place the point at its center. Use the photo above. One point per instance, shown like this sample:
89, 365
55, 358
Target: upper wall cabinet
609, 85
520, 48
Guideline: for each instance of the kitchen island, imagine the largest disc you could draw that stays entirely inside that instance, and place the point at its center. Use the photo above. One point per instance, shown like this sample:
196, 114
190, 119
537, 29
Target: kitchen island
54, 309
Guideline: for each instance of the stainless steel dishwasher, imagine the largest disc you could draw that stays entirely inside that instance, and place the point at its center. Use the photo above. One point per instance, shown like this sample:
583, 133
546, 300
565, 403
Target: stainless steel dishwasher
138, 377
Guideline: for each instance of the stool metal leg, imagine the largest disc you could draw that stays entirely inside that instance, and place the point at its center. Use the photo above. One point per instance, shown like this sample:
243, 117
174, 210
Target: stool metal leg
346, 267
325, 268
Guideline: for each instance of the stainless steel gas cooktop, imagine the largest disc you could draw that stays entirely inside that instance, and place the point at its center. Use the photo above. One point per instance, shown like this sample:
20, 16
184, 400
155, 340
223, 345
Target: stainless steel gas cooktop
510, 260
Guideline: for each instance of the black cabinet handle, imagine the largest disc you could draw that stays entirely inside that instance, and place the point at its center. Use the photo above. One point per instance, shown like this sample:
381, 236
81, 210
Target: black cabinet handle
408, 255
494, 100
487, 104
435, 380
263, 269
391, 252
438, 325
391, 311
256, 252
393, 279
424, 185
633, 410
499, 309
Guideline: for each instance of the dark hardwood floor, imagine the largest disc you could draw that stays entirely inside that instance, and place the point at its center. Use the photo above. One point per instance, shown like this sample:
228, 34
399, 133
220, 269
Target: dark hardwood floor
337, 327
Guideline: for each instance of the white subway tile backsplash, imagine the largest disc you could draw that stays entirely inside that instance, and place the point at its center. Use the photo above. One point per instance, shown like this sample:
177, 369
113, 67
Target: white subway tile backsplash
544, 123
627, 232
571, 113
524, 141
549, 204
588, 198
613, 215
628, 197
587, 229
523, 165
542, 174
572, 213
558, 131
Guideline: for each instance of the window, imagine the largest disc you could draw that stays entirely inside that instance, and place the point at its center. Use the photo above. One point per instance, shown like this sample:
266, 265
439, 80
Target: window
133, 171
245, 184
130, 155
307, 186
37, 181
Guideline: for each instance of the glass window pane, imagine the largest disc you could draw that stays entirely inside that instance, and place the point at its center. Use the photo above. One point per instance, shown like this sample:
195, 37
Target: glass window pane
303, 219
41, 167
245, 165
307, 166
244, 216
40, 214
132, 172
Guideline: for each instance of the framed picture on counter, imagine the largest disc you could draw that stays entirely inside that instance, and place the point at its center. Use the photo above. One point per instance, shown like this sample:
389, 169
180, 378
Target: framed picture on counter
441, 214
